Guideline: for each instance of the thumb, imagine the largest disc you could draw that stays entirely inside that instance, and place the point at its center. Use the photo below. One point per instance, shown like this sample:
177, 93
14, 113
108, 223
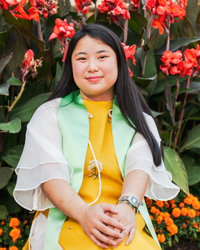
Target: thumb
109, 208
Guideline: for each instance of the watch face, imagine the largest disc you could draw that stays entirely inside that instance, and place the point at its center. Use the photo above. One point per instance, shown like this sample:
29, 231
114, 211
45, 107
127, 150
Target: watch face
133, 200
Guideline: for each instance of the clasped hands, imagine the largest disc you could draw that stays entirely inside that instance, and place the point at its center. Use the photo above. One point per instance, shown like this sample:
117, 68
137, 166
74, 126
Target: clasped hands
106, 224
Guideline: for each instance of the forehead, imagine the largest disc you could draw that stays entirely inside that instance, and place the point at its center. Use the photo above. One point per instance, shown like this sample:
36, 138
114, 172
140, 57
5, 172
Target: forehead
91, 45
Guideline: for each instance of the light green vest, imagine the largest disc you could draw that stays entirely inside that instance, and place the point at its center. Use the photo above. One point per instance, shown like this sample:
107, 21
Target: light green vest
73, 122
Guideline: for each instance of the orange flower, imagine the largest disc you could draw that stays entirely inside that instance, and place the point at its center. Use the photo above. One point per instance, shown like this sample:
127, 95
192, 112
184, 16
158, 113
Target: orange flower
188, 200
184, 226
169, 221
166, 204
1, 231
173, 229
161, 238
159, 203
196, 205
172, 201
3, 222
176, 212
159, 219
14, 222
15, 234
3, 248
187, 221
151, 217
195, 225
173, 205
166, 215
199, 228
191, 213
184, 211
181, 204
13, 248
197, 213
153, 210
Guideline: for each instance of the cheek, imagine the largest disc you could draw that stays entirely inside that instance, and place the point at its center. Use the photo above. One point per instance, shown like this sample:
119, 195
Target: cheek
78, 69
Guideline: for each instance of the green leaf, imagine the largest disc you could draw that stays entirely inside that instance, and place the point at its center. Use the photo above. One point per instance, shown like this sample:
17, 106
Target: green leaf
25, 112
11, 187
57, 77
175, 166
198, 97
192, 13
4, 62
19, 50
4, 36
19, 24
14, 81
5, 175
4, 88
11, 204
137, 22
192, 139
193, 175
161, 83
169, 101
47, 62
176, 44
14, 155
14, 126
3, 212
155, 114
187, 161
164, 135
190, 29
144, 82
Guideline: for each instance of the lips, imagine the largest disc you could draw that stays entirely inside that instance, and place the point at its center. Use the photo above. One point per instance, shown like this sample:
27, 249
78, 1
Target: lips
94, 78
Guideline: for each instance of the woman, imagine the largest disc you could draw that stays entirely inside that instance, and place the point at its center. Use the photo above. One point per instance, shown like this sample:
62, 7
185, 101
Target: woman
94, 144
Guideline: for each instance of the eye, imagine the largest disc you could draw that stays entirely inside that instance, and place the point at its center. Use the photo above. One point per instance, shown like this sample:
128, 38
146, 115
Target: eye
102, 57
81, 59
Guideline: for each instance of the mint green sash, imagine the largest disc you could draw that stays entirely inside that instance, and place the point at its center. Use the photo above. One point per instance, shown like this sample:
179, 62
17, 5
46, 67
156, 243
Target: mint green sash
73, 122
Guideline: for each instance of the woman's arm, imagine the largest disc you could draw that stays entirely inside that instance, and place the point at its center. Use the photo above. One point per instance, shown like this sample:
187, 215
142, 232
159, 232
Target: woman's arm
135, 184
93, 219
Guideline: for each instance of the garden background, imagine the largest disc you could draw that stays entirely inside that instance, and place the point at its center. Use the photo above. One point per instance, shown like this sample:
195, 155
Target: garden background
161, 42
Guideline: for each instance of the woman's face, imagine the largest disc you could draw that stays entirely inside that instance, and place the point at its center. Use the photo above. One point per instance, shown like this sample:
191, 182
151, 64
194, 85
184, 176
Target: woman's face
94, 66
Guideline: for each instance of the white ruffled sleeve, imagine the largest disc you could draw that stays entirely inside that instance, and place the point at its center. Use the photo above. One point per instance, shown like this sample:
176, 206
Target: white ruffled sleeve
42, 158
139, 156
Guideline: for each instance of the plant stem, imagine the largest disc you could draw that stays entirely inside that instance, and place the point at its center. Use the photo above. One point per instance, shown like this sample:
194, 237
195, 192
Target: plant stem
170, 138
125, 30
182, 112
40, 36
148, 38
18, 97
177, 92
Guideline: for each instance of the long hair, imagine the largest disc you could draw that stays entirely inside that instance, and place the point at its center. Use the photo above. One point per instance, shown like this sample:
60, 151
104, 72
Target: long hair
130, 101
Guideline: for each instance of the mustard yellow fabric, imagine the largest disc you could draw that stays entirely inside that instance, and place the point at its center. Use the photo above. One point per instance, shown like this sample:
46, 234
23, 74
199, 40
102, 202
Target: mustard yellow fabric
72, 236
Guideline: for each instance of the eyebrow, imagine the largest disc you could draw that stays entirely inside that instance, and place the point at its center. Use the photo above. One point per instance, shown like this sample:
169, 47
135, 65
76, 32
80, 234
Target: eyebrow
84, 53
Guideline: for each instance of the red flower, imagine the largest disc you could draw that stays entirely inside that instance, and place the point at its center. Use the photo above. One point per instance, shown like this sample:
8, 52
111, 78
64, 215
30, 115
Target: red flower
45, 8
27, 59
159, 23
183, 3
34, 14
82, 5
20, 9
7, 3
116, 9
129, 53
135, 4
62, 30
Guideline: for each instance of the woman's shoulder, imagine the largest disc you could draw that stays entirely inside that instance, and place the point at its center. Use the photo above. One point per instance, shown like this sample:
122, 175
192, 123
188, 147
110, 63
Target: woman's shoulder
45, 113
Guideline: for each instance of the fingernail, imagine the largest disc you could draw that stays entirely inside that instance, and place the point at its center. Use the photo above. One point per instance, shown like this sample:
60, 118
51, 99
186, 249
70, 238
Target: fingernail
127, 243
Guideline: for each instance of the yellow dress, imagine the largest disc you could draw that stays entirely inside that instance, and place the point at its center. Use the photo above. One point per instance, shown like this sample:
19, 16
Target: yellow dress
100, 135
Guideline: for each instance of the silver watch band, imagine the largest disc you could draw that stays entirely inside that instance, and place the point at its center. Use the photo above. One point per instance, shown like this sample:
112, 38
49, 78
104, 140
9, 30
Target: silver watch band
131, 199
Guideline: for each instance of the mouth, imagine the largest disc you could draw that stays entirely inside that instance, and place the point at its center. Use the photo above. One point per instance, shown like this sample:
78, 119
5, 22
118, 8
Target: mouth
94, 78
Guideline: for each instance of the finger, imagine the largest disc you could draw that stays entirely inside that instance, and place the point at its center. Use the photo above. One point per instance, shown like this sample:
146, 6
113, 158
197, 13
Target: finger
124, 235
131, 235
109, 208
112, 229
109, 231
111, 222
98, 243
103, 238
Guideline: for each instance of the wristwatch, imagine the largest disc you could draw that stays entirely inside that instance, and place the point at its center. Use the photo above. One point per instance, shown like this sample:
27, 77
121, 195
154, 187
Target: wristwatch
131, 199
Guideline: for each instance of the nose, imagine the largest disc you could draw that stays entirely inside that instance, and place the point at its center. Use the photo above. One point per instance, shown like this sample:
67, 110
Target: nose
92, 66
